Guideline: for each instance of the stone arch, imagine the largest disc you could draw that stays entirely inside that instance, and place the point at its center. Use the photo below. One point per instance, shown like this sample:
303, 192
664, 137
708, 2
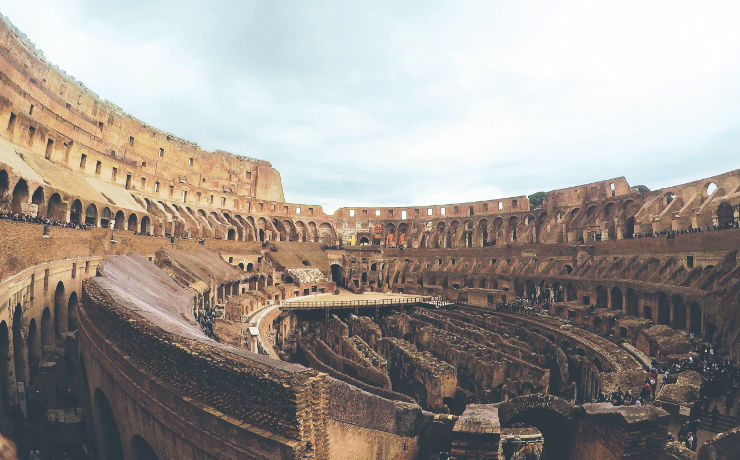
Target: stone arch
71, 312
20, 354
105, 217
20, 196
6, 372
250, 266
54, 209
601, 296
91, 215
4, 182
47, 332
326, 233
725, 215
38, 197
33, 344
631, 303
679, 313
144, 226
664, 309
336, 273
513, 222
108, 433
60, 310
695, 318
133, 222
75, 212
616, 298
570, 292
231, 234
141, 449
119, 220
551, 414
301, 230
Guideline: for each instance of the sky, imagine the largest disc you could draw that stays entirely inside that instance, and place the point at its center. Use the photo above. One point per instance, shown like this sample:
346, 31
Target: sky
418, 102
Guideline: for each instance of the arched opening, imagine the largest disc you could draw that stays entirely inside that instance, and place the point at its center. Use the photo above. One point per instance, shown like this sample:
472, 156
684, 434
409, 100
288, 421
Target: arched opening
91, 215
241, 265
711, 188
231, 234
555, 429
336, 274
250, 266
60, 310
19, 346
105, 218
54, 208
71, 310
133, 222
119, 220
38, 196
20, 196
5, 370
570, 292
364, 277
33, 343
364, 240
664, 310
144, 227
724, 215
679, 313
601, 296
111, 447
4, 182
513, 221
629, 228
269, 280
75, 212
616, 298
47, 332
632, 307
695, 318
262, 235
141, 449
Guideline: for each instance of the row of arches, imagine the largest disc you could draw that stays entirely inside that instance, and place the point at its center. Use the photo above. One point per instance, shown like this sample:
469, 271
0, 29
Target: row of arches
78, 213
25, 344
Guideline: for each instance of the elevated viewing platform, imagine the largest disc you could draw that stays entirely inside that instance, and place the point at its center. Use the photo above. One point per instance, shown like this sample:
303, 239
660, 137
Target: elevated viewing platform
346, 299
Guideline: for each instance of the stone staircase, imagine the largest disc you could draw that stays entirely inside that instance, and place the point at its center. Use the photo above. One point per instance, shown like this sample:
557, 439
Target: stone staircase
724, 423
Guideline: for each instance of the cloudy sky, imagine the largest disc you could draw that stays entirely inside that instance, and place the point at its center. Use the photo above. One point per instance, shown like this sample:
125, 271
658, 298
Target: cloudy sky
419, 102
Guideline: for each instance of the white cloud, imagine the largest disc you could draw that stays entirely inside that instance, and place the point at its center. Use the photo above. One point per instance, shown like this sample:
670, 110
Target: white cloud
420, 103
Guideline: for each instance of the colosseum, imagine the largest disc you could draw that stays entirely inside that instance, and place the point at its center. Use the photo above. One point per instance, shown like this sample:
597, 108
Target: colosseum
164, 302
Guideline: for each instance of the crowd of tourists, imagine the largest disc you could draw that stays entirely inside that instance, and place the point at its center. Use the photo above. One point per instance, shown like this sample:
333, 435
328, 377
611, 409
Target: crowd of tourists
206, 318
524, 306
20, 217
671, 234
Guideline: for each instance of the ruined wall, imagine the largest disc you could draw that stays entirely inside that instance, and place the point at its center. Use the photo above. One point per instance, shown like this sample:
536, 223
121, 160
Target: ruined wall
271, 411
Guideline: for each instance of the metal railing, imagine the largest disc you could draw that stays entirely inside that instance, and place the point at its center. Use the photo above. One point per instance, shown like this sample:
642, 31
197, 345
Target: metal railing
354, 303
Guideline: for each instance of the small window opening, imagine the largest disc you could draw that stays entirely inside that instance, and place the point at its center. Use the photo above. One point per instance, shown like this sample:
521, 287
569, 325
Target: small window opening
156, 186
49, 148
98, 166
128, 181
115, 173
30, 110
83, 161
161, 152
11, 121
131, 141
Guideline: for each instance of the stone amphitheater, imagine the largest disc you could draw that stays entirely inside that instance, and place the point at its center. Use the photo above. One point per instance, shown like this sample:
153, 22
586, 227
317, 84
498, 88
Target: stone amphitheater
164, 302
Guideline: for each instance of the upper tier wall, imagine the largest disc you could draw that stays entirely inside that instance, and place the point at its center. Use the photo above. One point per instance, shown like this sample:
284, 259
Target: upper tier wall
78, 121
